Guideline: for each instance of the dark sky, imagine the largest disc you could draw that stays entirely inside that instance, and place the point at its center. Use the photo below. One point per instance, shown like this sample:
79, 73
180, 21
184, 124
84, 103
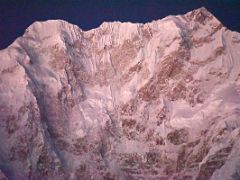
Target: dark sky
17, 15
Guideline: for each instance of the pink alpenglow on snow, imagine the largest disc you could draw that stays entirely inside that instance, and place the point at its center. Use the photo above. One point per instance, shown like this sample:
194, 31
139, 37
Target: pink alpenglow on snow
159, 100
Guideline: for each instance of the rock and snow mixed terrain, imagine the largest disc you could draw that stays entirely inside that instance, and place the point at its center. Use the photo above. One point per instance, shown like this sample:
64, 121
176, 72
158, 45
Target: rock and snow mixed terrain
159, 100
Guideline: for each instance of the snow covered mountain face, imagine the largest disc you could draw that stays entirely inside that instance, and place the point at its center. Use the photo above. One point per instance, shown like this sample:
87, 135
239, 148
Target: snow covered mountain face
159, 100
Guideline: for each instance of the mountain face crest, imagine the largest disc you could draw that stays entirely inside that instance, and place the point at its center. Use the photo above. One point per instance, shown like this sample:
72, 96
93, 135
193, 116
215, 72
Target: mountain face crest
159, 100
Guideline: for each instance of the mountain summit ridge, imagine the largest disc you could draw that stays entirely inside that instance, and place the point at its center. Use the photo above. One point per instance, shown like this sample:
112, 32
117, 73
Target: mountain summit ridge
159, 100
58, 25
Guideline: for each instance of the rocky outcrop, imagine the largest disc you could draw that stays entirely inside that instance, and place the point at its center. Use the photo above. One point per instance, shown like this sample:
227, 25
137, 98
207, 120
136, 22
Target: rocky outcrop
159, 100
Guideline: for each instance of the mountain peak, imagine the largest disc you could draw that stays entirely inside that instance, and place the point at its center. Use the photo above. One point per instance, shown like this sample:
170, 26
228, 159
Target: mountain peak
126, 100
64, 31
201, 15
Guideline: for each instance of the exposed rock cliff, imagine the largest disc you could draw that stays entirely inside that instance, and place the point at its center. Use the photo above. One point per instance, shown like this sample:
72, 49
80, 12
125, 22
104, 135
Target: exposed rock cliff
159, 100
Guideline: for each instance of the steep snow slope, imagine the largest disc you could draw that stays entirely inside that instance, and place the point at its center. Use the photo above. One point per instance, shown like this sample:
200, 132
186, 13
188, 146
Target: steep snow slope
159, 100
